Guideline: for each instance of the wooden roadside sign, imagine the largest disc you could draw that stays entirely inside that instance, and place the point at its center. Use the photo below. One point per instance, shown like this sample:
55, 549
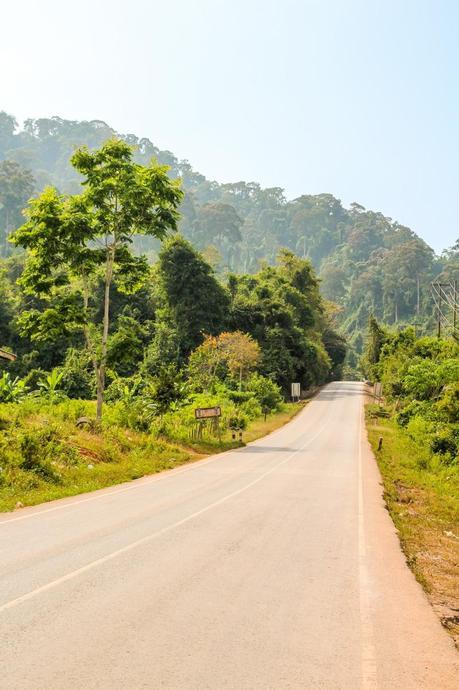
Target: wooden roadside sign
7, 355
207, 412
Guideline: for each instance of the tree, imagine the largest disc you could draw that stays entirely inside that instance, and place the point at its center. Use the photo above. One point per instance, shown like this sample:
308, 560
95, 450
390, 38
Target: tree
232, 353
74, 239
335, 345
241, 353
8, 125
281, 308
367, 262
16, 188
375, 341
196, 302
266, 392
220, 225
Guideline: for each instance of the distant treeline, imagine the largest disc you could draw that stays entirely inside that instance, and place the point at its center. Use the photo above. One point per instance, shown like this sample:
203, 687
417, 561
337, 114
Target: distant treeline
367, 263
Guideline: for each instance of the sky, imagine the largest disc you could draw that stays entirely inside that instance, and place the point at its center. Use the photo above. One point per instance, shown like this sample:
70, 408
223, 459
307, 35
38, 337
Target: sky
358, 98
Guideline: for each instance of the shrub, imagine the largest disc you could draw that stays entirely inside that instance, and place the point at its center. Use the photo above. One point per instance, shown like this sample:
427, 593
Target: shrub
78, 375
37, 448
237, 423
448, 405
251, 409
423, 409
266, 392
12, 390
49, 386
446, 443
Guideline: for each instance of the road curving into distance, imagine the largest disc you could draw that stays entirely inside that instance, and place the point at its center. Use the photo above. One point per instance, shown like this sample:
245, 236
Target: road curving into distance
269, 567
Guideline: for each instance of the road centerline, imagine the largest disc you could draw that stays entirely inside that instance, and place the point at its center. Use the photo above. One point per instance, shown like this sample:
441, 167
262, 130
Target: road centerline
133, 545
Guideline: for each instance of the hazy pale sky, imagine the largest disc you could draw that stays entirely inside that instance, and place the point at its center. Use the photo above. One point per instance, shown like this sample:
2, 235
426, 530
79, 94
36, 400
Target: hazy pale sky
358, 98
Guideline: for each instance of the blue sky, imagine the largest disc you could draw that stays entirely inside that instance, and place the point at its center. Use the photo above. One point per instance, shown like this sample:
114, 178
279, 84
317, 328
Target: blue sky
358, 98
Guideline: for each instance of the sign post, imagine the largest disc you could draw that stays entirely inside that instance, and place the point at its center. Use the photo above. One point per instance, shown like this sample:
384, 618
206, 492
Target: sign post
207, 412
296, 391
7, 355
204, 414
378, 392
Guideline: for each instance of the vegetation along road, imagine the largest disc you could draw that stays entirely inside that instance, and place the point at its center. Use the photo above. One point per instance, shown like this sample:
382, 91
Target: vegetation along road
270, 566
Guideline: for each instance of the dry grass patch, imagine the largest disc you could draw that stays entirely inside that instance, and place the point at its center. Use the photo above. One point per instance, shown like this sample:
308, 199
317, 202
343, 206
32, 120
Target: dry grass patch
422, 497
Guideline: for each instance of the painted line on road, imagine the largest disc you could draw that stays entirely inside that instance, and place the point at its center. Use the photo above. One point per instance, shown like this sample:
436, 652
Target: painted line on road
129, 547
368, 650
135, 484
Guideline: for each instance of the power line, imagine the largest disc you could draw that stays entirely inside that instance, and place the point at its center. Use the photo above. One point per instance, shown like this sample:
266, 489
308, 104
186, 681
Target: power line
445, 298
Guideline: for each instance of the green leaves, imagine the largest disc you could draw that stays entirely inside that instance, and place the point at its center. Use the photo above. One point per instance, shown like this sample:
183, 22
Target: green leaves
196, 301
50, 386
70, 238
62, 316
12, 389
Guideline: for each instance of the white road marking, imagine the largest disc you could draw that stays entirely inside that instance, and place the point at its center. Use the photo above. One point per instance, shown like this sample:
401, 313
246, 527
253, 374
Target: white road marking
368, 650
129, 547
99, 495
143, 481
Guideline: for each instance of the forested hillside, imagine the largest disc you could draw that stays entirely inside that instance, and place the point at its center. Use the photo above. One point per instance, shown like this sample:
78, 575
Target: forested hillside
123, 346
79, 299
368, 263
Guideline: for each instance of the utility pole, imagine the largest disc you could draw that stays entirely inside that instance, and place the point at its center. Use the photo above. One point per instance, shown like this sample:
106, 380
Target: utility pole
445, 297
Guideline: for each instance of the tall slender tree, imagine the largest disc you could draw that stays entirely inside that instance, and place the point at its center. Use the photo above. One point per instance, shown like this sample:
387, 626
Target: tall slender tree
88, 236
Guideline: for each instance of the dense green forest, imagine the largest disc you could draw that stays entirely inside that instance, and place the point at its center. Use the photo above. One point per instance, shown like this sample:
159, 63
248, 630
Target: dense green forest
367, 263
80, 300
129, 348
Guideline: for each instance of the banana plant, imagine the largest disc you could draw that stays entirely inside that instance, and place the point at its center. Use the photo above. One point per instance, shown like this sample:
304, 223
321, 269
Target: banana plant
49, 386
12, 390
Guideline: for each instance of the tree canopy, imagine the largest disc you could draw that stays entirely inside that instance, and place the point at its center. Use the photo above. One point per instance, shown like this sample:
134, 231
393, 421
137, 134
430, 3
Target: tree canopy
368, 263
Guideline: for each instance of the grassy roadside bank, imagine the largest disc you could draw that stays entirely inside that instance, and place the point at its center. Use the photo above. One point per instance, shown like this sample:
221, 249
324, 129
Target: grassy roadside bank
422, 496
44, 456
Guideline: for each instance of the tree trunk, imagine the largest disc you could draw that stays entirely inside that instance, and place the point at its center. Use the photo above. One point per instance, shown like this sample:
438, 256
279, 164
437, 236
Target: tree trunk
106, 323
87, 336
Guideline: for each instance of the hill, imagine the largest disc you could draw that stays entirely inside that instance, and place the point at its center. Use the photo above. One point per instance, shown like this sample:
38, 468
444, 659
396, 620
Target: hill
367, 262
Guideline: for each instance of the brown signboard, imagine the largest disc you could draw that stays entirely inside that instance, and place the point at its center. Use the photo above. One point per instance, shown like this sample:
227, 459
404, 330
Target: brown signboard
7, 355
206, 412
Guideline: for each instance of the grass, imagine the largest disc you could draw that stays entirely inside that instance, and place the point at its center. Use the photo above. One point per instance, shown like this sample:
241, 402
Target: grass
44, 456
422, 496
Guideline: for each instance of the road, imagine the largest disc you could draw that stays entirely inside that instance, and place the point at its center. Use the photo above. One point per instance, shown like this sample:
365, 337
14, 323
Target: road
273, 566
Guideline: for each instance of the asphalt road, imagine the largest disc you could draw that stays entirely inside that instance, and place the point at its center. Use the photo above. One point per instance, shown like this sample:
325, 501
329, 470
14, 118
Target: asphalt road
273, 566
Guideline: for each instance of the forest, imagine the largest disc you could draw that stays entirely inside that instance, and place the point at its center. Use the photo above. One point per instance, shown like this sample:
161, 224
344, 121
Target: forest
116, 350
367, 263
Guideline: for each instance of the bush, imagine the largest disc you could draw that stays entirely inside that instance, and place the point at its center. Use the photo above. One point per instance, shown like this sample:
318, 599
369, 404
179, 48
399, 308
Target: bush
251, 409
12, 390
78, 379
237, 423
448, 404
446, 442
423, 409
38, 447
239, 397
267, 393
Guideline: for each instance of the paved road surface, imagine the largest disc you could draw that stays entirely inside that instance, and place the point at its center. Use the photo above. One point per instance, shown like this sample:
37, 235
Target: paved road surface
274, 566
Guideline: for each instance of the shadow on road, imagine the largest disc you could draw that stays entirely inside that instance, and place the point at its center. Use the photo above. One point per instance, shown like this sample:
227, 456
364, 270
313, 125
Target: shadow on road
266, 449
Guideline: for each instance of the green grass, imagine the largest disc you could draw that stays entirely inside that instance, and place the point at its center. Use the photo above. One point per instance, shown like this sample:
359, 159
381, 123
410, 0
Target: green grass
44, 456
422, 496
